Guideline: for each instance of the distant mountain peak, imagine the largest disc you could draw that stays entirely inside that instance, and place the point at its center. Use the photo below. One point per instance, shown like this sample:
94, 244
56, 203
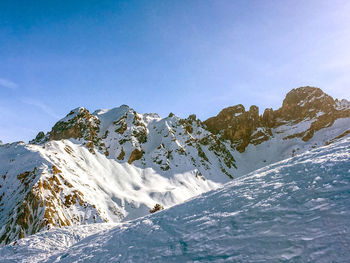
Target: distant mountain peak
243, 127
305, 102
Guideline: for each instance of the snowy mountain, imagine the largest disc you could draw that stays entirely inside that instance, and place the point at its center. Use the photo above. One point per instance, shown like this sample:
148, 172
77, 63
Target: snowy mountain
115, 165
296, 210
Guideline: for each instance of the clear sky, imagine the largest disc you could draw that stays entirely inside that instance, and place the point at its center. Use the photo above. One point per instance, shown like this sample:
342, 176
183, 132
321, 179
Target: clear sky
164, 56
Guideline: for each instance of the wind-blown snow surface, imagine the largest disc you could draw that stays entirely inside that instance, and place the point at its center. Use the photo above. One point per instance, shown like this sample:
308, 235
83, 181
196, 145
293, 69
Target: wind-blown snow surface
295, 210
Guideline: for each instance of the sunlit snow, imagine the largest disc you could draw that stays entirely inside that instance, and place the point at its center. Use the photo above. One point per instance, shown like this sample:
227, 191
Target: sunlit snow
295, 210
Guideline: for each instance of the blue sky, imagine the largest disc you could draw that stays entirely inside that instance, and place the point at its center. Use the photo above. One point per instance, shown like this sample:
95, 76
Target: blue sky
164, 56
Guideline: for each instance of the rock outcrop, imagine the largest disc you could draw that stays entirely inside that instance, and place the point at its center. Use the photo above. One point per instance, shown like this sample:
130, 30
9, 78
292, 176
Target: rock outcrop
78, 124
302, 104
238, 125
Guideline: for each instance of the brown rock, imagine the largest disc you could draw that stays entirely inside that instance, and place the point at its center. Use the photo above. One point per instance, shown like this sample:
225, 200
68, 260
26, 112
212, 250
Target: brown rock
304, 103
135, 155
236, 124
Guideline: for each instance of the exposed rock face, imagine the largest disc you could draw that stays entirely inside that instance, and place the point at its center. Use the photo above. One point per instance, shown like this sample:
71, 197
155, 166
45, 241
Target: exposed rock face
78, 124
135, 155
40, 198
238, 125
268, 118
157, 207
306, 103
309, 103
40, 138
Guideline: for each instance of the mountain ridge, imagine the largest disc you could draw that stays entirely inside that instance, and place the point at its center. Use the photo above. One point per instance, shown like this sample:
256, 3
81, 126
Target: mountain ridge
299, 104
115, 165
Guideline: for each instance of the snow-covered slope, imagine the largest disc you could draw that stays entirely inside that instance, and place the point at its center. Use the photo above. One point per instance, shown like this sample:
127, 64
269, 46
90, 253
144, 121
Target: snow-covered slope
64, 184
115, 165
148, 141
308, 118
296, 210
109, 166
283, 144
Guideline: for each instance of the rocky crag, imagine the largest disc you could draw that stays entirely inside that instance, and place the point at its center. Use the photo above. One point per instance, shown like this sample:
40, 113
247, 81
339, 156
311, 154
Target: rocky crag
243, 127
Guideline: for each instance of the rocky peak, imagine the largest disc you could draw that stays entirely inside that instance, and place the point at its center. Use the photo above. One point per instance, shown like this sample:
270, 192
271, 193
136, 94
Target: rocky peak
268, 118
236, 124
230, 116
78, 124
310, 103
41, 137
303, 103
243, 127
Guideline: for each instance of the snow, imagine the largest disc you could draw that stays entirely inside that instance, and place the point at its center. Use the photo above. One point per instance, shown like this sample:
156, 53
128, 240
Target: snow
109, 191
72, 114
311, 98
82, 186
108, 116
277, 148
296, 210
120, 186
39, 247
342, 104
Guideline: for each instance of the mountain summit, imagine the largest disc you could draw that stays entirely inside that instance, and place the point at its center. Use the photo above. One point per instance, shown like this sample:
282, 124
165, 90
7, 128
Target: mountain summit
116, 165
305, 104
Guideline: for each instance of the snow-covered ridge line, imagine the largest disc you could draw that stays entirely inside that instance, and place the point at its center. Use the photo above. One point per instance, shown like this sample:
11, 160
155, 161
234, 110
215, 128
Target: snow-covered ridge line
117, 166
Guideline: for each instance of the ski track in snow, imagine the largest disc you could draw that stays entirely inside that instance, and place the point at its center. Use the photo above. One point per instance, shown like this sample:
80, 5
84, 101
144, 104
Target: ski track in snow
296, 210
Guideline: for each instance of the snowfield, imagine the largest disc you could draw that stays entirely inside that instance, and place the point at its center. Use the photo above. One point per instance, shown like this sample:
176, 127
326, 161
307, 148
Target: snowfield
295, 210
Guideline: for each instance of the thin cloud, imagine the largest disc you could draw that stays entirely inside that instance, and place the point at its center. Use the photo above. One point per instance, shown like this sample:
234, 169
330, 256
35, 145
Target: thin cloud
46, 109
8, 84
